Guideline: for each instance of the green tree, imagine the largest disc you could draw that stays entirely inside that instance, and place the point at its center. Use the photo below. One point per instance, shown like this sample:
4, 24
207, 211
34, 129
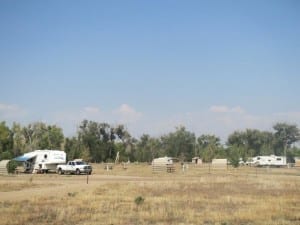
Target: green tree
209, 147
235, 153
254, 142
6, 138
55, 137
285, 135
180, 144
148, 148
39, 135
19, 146
73, 148
99, 140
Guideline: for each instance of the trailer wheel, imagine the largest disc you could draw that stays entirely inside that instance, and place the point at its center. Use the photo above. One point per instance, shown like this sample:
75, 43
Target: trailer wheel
77, 172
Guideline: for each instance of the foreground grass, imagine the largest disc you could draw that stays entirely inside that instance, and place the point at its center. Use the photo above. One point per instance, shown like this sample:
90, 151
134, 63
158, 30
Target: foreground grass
219, 198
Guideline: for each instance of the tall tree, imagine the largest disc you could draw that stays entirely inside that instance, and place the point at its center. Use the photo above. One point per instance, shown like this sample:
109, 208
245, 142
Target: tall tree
99, 139
252, 141
19, 139
208, 147
286, 135
180, 144
39, 135
6, 141
74, 149
148, 148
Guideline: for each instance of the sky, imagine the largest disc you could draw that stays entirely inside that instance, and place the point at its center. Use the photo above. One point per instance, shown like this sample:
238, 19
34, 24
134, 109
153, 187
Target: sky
212, 66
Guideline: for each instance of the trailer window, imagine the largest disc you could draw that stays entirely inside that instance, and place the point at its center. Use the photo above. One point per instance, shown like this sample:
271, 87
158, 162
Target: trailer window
278, 159
45, 156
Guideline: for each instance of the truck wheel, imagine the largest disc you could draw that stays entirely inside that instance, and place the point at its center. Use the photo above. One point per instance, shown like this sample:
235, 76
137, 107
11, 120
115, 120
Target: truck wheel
60, 171
77, 172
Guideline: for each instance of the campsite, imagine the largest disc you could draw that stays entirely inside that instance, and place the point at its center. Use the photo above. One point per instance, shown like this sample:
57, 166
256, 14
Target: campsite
149, 112
136, 195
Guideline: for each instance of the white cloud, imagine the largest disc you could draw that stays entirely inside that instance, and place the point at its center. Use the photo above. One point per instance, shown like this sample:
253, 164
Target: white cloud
226, 109
222, 124
237, 109
127, 114
11, 112
69, 120
91, 109
220, 120
219, 109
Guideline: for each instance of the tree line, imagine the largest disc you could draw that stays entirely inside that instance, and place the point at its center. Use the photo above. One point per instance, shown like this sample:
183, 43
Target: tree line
100, 142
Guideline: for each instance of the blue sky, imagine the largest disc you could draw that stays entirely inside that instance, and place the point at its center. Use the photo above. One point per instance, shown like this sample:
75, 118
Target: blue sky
212, 66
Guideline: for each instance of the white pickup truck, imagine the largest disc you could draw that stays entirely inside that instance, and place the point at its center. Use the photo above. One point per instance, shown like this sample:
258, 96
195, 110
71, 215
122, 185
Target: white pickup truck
75, 167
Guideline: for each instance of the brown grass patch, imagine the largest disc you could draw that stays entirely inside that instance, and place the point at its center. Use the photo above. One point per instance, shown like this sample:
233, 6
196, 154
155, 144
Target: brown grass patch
223, 197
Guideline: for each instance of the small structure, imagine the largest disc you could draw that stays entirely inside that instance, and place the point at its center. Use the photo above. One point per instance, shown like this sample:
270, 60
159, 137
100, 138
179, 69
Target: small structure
40, 161
163, 164
3, 167
197, 160
219, 162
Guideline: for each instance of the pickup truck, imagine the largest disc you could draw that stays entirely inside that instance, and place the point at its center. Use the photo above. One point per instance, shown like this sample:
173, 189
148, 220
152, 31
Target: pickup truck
75, 167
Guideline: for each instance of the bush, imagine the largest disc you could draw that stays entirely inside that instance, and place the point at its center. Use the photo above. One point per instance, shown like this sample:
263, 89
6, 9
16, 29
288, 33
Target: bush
139, 200
234, 156
11, 166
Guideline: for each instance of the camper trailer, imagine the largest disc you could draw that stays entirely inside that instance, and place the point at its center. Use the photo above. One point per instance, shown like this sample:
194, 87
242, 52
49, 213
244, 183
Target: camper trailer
41, 161
272, 160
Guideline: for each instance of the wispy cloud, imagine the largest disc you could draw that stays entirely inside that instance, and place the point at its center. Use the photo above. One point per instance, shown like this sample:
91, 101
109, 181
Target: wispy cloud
11, 112
220, 120
91, 109
70, 120
226, 109
127, 114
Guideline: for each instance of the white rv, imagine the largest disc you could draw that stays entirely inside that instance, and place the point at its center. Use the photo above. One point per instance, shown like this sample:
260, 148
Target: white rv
272, 160
41, 161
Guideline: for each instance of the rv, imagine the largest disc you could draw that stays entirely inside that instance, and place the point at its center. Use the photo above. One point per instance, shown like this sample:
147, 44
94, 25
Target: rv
41, 161
272, 160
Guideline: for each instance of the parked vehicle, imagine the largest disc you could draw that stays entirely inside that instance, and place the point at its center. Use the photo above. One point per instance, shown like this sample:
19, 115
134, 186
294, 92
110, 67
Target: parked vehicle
41, 161
272, 160
74, 167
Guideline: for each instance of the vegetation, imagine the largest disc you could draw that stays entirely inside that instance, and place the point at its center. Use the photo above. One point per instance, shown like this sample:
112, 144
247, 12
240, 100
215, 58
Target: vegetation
100, 142
11, 166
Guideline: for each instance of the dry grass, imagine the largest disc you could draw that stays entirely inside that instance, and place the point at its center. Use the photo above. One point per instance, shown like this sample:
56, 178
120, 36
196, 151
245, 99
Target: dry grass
244, 196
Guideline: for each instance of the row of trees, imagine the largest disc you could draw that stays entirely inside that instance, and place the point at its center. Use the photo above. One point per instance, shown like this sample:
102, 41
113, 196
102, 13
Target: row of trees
100, 142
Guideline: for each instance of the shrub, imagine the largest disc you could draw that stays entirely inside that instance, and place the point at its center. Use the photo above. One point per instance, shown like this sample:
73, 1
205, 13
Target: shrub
139, 200
234, 156
11, 166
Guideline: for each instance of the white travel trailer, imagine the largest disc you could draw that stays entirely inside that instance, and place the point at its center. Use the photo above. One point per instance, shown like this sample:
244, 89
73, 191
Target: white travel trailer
41, 161
271, 160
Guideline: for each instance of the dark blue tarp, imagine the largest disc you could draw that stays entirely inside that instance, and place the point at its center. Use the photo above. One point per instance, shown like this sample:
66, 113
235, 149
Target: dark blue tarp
23, 158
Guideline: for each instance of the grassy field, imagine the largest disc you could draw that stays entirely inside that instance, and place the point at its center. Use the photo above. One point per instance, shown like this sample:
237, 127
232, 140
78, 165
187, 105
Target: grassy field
137, 196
